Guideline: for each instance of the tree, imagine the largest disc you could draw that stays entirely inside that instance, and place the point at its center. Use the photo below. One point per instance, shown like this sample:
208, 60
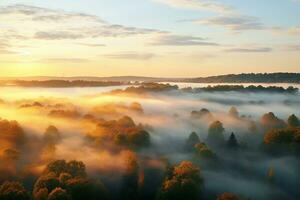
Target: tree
271, 174
67, 180
137, 107
283, 141
232, 142
82, 188
13, 191
59, 194
192, 141
293, 121
285, 136
140, 138
11, 154
183, 182
215, 133
228, 196
52, 135
126, 122
233, 112
44, 185
270, 121
130, 185
12, 132
203, 151
252, 127
202, 114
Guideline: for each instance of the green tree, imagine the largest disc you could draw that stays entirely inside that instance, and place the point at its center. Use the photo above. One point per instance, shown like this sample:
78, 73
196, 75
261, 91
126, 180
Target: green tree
233, 112
215, 134
140, 138
232, 142
192, 140
252, 127
293, 121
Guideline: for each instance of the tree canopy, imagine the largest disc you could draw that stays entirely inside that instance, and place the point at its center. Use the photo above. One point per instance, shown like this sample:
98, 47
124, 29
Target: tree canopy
183, 182
215, 133
13, 191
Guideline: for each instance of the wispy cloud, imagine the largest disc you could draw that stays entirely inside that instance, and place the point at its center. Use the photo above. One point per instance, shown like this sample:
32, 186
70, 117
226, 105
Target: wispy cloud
131, 56
234, 22
5, 48
177, 40
210, 5
32, 22
294, 31
249, 50
92, 45
57, 35
292, 47
65, 60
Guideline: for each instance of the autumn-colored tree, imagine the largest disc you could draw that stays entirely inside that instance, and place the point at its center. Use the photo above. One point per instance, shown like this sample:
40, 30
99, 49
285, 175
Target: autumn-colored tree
203, 151
130, 182
52, 135
183, 182
283, 136
137, 107
228, 196
67, 180
59, 194
13, 191
270, 121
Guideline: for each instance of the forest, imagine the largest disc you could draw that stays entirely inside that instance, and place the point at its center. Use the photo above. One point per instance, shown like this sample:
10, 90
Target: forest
152, 141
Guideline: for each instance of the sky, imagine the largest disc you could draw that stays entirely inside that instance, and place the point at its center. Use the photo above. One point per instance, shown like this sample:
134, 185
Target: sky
161, 38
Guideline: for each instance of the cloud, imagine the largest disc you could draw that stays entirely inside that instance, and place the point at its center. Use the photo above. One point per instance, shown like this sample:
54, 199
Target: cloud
294, 47
32, 22
294, 31
65, 60
176, 40
92, 45
209, 5
234, 22
57, 35
249, 50
131, 56
45, 14
5, 48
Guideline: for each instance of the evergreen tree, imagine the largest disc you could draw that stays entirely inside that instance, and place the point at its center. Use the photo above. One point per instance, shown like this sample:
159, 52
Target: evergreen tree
232, 142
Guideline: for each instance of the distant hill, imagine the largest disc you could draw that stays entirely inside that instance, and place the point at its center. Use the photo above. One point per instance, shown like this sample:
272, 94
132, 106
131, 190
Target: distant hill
249, 78
230, 78
90, 78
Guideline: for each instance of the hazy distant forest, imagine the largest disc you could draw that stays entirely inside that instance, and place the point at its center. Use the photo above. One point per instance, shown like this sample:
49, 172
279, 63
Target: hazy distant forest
152, 141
